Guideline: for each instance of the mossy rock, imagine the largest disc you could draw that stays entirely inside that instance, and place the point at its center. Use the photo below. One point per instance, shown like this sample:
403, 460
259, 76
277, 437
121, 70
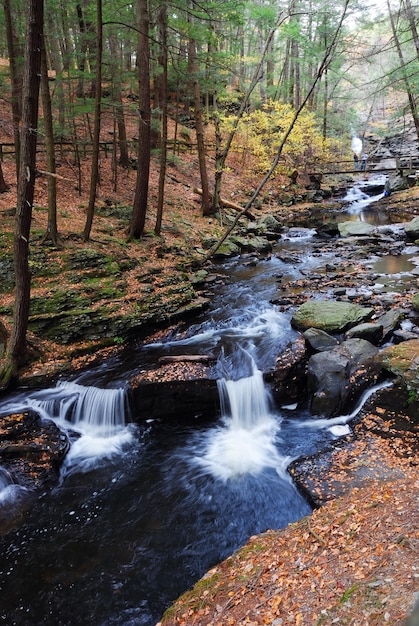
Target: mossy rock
415, 302
59, 301
329, 315
403, 360
87, 259
7, 273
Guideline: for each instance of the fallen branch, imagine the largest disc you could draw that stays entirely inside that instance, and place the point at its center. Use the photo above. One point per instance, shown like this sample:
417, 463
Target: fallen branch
229, 205
53, 175
197, 358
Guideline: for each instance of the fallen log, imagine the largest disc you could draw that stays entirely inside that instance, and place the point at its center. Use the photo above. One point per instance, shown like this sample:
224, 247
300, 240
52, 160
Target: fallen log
196, 358
229, 205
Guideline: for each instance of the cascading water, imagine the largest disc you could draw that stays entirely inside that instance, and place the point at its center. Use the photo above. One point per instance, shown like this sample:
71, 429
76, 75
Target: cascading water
246, 443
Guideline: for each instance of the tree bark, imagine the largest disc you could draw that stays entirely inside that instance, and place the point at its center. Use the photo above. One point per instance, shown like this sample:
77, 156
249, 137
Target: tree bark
162, 24
52, 231
144, 137
116, 70
16, 77
3, 185
410, 96
16, 354
94, 173
199, 125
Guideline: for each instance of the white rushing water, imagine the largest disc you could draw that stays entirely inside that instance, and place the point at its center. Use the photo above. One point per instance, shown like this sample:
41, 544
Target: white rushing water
98, 416
246, 442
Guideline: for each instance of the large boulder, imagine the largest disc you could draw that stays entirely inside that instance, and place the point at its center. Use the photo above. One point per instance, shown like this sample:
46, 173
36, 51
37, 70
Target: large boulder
390, 321
412, 228
269, 223
330, 316
338, 376
289, 376
355, 229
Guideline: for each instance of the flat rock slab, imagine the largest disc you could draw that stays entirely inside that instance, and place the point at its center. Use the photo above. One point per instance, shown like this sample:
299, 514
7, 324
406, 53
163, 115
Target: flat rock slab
383, 446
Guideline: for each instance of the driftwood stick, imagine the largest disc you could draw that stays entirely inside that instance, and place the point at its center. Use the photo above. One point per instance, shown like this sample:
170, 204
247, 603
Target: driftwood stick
197, 358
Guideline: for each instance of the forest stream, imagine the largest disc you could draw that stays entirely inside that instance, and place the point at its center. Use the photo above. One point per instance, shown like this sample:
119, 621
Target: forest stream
143, 510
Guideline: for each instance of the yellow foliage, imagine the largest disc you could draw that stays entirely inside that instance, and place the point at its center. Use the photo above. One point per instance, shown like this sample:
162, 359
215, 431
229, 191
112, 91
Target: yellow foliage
260, 132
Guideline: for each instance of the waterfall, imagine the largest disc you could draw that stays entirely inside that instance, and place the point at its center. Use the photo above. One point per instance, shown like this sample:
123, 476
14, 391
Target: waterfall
91, 410
246, 400
245, 444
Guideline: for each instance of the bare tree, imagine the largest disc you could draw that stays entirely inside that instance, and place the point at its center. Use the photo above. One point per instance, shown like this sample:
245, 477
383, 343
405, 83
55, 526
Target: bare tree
94, 172
52, 231
139, 210
16, 78
162, 85
410, 96
16, 353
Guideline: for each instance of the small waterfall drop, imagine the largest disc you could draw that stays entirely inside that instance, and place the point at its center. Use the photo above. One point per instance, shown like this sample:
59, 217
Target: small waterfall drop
90, 410
245, 444
98, 416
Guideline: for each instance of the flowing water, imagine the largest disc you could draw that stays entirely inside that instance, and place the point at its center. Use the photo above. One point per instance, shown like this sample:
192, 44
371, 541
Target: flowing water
142, 511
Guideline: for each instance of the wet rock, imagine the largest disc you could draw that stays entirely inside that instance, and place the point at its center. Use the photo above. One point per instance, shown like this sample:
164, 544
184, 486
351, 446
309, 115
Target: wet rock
369, 331
319, 340
31, 449
390, 321
269, 223
403, 360
259, 244
415, 302
289, 377
412, 228
337, 376
329, 315
404, 335
227, 249
355, 229
363, 455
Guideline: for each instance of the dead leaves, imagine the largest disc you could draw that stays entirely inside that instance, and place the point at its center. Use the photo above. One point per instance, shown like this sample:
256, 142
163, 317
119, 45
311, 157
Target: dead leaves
353, 561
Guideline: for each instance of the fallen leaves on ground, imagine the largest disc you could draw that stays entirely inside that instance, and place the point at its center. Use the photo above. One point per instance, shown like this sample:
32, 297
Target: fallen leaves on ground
353, 562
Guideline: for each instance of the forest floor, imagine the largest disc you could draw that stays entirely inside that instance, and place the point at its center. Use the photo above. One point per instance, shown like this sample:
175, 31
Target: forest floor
355, 560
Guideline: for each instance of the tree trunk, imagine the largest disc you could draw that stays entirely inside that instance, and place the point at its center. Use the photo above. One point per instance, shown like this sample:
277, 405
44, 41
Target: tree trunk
52, 231
410, 96
16, 77
139, 210
16, 350
199, 125
3, 185
94, 174
162, 24
116, 70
